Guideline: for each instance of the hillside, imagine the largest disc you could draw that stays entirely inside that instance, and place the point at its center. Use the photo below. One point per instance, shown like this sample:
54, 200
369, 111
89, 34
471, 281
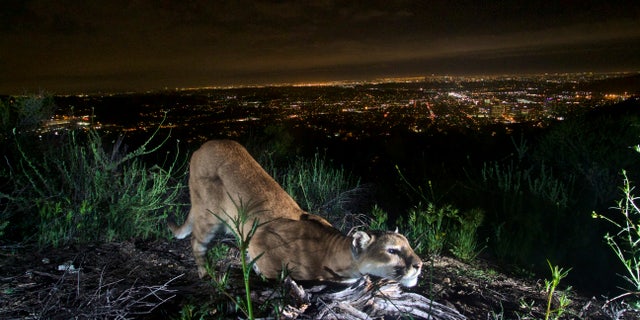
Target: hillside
150, 280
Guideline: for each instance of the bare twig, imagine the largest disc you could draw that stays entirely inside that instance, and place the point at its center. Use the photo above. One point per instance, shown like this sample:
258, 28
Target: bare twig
367, 299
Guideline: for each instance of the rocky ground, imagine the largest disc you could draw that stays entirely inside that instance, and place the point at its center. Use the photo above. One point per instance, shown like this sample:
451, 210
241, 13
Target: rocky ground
157, 279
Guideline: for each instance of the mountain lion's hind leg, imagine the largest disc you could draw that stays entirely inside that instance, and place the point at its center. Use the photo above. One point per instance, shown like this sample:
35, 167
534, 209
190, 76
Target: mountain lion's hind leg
199, 252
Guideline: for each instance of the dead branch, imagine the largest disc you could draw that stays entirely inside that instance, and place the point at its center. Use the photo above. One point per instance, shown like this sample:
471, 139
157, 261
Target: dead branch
364, 299
106, 303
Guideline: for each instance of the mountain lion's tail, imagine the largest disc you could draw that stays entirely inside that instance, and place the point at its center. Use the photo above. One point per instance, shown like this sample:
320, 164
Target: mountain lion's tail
180, 232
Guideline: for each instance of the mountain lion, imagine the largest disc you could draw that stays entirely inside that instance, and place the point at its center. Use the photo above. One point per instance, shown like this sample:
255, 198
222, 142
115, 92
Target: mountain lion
223, 177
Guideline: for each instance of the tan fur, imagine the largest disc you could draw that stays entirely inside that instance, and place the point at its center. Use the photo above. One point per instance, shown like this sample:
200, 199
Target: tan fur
310, 250
223, 176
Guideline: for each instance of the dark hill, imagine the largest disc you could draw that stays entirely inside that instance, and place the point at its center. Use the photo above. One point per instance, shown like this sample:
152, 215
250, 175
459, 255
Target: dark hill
629, 84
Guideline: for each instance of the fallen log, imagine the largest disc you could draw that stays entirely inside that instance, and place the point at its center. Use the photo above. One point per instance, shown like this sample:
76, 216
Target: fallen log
367, 298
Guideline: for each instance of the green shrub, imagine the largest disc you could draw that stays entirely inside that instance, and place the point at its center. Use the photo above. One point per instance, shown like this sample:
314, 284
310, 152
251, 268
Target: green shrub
25, 114
316, 185
428, 227
320, 188
530, 204
434, 228
379, 219
591, 148
464, 240
513, 179
626, 242
79, 192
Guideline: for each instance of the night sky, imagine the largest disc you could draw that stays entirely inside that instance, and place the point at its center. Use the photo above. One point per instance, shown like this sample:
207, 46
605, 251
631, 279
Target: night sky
73, 46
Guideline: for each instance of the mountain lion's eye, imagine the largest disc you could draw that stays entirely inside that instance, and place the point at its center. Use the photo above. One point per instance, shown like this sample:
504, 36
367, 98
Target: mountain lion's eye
393, 251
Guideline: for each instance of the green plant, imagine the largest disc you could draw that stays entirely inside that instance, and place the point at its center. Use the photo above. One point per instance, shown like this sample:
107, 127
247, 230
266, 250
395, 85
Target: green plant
243, 236
379, 219
281, 142
81, 192
318, 187
280, 297
591, 148
496, 316
557, 274
501, 245
24, 115
531, 206
197, 310
434, 228
27, 113
464, 242
515, 181
5, 117
429, 227
217, 252
424, 196
3, 226
626, 242
191, 312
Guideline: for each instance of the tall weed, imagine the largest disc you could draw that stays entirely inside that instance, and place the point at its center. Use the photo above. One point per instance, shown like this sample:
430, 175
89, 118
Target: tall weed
24, 116
530, 205
557, 274
625, 243
428, 227
320, 188
464, 242
81, 192
592, 148
434, 228
236, 224
379, 219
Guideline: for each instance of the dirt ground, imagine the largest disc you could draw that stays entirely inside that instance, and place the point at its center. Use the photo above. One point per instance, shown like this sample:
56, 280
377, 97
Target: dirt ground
158, 279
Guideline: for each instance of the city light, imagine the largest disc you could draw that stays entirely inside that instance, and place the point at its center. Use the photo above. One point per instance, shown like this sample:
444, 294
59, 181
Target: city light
347, 109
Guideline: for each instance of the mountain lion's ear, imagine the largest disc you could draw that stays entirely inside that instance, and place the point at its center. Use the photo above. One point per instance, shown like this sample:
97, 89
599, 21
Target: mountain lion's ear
396, 231
361, 240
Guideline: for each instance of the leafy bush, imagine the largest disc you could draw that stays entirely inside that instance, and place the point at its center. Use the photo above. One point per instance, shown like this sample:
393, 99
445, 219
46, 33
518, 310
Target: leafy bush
77, 191
539, 198
540, 181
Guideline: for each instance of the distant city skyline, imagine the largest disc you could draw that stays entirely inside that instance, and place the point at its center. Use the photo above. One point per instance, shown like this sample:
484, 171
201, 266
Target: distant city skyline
115, 46
344, 111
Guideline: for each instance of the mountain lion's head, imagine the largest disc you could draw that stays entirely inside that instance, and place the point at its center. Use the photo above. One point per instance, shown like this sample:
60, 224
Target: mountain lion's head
387, 255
